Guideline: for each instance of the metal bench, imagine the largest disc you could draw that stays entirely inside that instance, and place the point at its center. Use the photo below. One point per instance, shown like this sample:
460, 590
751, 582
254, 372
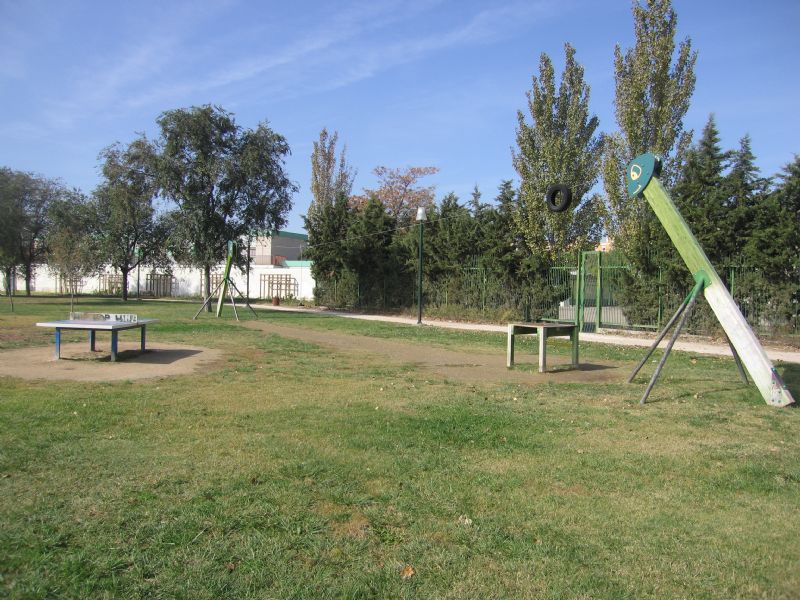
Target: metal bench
544, 331
94, 322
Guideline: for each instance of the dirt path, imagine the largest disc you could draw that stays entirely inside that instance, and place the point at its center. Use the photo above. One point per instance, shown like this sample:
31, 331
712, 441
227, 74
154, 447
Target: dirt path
467, 367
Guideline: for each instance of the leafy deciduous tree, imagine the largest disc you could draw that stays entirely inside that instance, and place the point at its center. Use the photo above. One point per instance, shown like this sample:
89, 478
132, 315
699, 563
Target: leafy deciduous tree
11, 225
72, 244
226, 181
399, 191
128, 230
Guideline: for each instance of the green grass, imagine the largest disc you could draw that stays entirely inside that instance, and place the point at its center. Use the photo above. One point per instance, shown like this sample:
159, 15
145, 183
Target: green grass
296, 472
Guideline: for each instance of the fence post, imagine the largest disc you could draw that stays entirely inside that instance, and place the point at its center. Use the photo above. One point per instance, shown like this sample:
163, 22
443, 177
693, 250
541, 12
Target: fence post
599, 293
660, 300
483, 291
580, 293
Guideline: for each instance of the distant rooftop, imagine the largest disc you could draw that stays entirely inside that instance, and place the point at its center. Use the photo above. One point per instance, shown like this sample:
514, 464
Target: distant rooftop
284, 234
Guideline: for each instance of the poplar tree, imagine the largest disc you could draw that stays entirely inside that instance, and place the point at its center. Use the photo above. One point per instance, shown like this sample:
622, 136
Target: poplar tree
559, 146
330, 175
654, 85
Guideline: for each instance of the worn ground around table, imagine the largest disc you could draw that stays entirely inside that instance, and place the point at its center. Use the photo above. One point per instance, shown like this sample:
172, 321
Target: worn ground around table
467, 367
79, 364
167, 360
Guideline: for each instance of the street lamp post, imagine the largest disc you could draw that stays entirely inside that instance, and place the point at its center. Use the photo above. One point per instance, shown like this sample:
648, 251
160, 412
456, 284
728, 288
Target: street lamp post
421, 217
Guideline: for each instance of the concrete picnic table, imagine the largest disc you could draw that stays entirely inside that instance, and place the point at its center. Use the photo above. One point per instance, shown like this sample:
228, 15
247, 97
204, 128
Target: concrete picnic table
544, 331
94, 324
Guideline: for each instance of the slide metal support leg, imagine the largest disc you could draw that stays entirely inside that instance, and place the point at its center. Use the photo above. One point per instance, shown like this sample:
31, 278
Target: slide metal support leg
664, 332
246, 302
677, 332
208, 300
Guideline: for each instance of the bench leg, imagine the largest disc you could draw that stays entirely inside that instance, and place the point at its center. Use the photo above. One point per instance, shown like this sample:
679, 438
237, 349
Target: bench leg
92, 338
542, 333
114, 346
510, 351
143, 338
58, 343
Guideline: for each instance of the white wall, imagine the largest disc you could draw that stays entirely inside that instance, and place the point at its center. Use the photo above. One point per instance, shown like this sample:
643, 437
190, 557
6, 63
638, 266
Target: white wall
187, 282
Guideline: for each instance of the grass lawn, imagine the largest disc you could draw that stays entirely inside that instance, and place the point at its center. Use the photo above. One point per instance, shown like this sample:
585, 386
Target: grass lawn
292, 471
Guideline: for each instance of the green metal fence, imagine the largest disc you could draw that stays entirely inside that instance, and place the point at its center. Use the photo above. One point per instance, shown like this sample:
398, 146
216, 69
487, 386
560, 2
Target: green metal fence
598, 291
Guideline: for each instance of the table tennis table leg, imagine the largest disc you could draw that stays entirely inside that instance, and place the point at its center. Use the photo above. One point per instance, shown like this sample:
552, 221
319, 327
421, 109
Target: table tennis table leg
58, 343
92, 338
114, 346
143, 337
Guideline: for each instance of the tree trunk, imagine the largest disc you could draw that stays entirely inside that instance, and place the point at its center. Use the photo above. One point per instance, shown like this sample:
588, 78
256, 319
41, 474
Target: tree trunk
124, 285
28, 268
207, 275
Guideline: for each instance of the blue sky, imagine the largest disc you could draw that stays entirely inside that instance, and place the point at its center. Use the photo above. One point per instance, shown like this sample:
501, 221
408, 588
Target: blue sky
412, 82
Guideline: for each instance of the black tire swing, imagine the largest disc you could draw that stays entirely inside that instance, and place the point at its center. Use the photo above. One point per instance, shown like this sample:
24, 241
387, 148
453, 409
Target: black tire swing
564, 195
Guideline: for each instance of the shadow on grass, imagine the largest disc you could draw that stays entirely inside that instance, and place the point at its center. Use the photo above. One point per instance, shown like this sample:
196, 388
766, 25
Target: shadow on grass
162, 356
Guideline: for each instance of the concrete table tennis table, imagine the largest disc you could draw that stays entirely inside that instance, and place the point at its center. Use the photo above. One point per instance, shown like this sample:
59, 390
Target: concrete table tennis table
544, 331
99, 322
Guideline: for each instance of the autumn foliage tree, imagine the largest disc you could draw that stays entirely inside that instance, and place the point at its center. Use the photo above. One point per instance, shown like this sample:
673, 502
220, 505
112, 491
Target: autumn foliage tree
399, 191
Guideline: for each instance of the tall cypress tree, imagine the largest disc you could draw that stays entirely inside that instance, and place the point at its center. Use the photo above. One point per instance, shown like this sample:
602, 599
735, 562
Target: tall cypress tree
702, 195
774, 243
747, 192
368, 250
326, 247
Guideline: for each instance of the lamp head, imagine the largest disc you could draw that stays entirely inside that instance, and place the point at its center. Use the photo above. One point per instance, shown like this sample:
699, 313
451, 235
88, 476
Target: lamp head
421, 214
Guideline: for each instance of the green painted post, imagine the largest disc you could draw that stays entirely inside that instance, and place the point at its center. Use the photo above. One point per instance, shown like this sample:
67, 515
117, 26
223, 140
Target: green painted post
225, 278
642, 175
580, 293
599, 293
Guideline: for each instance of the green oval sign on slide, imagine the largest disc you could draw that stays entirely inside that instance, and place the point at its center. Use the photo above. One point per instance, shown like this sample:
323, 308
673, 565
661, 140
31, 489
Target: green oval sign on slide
640, 170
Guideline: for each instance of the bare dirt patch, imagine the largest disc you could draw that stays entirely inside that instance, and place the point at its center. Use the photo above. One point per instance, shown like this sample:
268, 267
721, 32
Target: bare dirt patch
466, 367
79, 364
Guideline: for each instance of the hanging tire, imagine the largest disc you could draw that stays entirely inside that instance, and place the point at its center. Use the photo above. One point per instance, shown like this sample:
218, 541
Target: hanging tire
564, 198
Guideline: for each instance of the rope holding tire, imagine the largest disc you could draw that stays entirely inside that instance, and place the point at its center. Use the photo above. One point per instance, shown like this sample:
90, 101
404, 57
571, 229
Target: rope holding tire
563, 192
